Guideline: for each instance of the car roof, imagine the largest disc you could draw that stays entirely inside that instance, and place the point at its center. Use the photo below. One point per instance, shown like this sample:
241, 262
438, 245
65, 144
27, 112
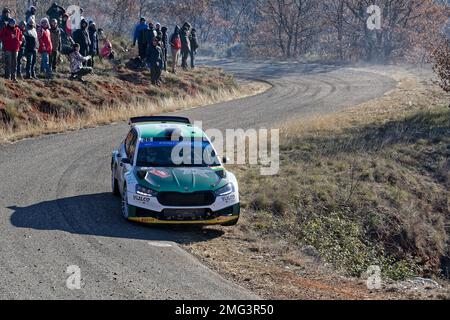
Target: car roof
161, 130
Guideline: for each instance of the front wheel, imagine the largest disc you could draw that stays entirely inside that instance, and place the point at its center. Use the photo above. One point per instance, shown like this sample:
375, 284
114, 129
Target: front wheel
114, 185
125, 208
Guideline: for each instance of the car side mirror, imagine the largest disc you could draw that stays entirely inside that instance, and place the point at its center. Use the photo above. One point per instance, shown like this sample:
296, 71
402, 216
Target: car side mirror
225, 160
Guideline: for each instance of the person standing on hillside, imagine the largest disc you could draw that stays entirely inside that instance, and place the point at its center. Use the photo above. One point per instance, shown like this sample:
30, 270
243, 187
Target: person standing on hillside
158, 30
65, 27
194, 46
4, 19
31, 49
149, 35
94, 49
30, 14
175, 44
185, 44
55, 33
155, 61
81, 36
45, 47
56, 12
164, 46
21, 53
12, 38
140, 38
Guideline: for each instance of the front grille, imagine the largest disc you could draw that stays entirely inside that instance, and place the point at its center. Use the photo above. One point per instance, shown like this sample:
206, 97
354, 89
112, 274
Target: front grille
196, 199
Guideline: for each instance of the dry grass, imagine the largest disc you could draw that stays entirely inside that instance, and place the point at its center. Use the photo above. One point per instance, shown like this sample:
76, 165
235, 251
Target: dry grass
34, 108
368, 185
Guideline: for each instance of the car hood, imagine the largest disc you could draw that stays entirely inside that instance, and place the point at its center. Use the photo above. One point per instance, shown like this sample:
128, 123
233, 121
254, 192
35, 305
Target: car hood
185, 180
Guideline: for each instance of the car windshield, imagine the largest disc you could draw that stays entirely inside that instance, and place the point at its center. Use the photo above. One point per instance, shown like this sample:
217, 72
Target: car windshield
176, 154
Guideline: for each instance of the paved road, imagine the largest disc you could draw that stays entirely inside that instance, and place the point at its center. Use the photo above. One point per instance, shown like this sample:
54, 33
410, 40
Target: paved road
56, 209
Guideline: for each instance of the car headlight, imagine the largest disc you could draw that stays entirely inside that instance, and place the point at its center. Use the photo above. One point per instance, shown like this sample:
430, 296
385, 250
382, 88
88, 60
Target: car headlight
145, 191
228, 189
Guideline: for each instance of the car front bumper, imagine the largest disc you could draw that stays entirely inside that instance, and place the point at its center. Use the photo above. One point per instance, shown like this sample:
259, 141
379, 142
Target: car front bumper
148, 210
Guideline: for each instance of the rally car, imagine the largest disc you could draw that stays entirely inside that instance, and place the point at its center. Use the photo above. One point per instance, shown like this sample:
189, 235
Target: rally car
167, 171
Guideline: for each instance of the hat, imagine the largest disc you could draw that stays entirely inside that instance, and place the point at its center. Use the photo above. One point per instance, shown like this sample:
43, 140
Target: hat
44, 22
12, 21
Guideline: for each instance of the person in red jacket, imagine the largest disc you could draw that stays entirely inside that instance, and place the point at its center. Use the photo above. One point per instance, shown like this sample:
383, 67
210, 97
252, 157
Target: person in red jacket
12, 38
45, 47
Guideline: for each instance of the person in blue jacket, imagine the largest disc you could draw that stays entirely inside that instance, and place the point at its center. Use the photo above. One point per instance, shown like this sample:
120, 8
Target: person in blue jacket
137, 37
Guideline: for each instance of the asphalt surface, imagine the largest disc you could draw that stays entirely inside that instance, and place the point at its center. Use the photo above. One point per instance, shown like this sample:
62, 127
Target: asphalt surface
56, 209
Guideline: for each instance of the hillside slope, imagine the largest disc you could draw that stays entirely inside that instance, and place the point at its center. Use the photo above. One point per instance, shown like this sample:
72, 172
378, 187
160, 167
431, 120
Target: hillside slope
114, 93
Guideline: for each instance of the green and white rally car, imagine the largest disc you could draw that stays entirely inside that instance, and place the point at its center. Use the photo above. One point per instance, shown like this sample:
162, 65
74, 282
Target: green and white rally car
168, 172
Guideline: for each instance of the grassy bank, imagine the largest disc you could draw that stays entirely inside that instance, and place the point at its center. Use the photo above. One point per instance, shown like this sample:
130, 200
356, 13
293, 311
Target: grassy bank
367, 186
114, 93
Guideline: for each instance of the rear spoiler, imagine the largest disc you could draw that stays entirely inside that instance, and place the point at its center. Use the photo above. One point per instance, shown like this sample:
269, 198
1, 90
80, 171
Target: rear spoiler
162, 119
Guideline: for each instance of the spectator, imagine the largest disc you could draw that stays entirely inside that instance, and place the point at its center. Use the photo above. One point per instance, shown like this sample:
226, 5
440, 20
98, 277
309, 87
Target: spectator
164, 46
45, 47
107, 51
81, 36
55, 34
56, 12
175, 44
65, 25
4, 19
140, 38
93, 48
12, 38
21, 53
31, 49
185, 44
66, 42
194, 46
30, 14
149, 35
155, 61
77, 62
158, 30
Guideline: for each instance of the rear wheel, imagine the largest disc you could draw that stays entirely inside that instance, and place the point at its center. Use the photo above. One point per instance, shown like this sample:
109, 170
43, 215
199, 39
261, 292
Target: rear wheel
125, 208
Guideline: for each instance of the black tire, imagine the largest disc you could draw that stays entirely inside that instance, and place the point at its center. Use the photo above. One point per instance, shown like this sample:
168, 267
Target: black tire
116, 191
124, 203
115, 185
